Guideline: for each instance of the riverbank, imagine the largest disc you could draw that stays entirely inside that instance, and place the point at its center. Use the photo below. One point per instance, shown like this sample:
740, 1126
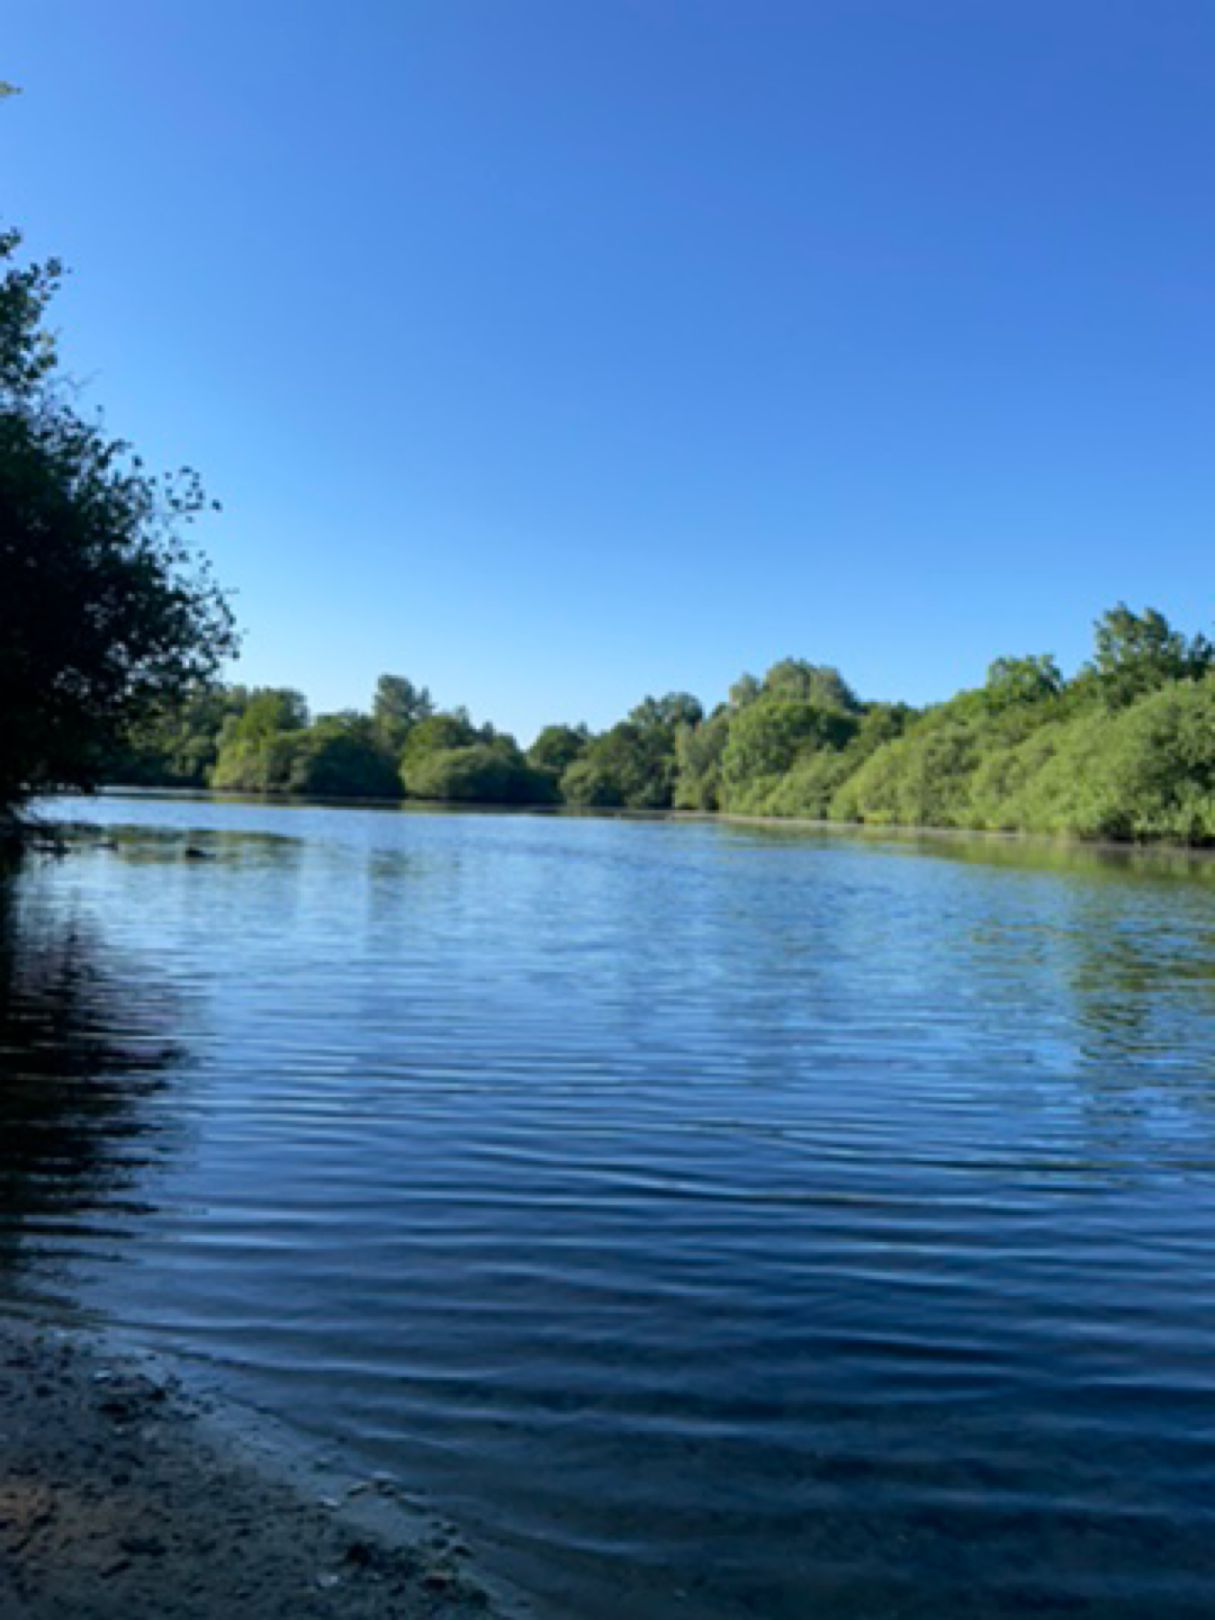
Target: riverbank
1013, 838
122, 1499
54, 835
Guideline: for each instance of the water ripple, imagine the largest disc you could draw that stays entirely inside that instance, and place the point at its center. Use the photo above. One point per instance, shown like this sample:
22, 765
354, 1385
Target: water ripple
718, 1223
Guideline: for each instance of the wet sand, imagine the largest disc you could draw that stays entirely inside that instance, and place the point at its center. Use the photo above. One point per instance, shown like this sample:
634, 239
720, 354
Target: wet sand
122, 1499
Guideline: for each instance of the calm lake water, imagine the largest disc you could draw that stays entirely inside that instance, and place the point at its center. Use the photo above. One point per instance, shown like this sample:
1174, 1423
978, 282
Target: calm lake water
715, 1222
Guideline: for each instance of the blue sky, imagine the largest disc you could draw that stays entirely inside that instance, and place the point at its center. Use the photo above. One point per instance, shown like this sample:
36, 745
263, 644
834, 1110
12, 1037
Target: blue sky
553, 352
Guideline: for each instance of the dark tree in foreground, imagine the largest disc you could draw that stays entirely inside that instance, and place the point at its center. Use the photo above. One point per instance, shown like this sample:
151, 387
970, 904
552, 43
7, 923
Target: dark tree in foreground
105, 611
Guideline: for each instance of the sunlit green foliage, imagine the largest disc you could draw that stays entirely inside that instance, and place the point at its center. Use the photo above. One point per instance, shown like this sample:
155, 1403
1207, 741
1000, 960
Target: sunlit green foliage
627, 767
780, 742
812, 784
698, 754
922, 778
341, 757
435, 733
258, 747
398, 706
768, 738
1146, 770
1138, 653
1022, 680
270, 747
446, 757
481, 773
1125, 749
794, 680
666, 714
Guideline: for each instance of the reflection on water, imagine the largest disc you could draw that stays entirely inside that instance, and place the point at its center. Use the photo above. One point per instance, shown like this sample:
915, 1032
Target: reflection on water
84, 1045
718, 1222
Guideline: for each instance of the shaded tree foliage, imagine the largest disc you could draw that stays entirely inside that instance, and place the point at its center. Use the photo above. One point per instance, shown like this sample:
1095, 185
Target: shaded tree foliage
557, 747
177, 744
634, 766
106, 613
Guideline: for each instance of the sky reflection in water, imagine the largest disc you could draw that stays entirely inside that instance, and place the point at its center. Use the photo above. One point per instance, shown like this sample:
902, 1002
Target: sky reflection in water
718, 1222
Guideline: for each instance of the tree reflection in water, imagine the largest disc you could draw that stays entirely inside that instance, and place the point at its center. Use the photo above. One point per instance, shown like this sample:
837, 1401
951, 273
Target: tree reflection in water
87, 1040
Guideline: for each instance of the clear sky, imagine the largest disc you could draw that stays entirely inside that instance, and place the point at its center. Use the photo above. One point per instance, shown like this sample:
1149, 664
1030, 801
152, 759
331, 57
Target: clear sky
553, 352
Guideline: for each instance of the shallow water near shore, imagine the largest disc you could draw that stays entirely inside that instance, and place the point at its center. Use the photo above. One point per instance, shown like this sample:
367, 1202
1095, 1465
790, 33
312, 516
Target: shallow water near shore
713, 1221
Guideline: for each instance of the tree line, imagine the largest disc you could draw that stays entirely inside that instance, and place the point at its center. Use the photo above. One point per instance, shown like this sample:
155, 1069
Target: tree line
112, 632
1125, 749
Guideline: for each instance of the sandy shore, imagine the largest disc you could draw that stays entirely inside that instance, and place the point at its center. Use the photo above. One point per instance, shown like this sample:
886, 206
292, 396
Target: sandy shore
121, 1499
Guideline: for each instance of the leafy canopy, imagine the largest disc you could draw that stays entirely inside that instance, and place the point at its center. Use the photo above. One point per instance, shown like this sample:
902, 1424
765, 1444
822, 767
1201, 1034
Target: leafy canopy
1138, 653
105, 612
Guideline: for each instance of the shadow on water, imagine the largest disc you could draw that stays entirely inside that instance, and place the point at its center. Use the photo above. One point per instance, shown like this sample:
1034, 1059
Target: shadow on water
85, 1052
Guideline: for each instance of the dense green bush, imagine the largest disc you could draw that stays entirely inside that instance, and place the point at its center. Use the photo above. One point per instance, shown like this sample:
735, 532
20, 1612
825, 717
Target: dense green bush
341, 757
812, 784
920, 779
768, 737
1143, 771
630, 766
634, 765
480, 773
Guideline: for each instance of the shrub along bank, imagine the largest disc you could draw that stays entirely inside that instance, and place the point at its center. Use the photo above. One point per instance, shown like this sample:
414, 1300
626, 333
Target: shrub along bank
1125, 749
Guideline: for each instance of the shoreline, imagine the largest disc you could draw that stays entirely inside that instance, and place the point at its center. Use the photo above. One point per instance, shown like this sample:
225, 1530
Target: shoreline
1001, 836
123, 1496
997, 836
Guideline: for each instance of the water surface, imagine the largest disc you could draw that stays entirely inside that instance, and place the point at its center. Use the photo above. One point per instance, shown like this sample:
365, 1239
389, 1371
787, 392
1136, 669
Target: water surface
715, 1222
